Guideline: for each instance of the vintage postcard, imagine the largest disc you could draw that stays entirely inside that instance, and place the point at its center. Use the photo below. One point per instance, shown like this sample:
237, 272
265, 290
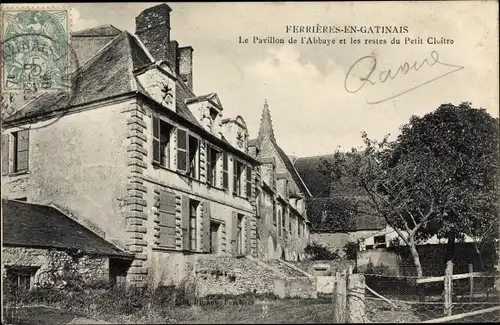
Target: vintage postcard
270, 162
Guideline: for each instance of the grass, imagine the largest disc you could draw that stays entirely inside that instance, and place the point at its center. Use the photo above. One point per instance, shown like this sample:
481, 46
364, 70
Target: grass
271, 311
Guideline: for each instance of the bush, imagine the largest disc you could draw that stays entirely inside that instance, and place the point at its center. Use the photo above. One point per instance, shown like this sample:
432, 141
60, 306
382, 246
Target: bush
317, 252
351, 250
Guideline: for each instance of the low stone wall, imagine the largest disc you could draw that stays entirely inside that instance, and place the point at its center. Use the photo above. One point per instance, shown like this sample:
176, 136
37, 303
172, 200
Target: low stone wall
227, 275
90, 267
334, 265
302, 287
324, 284
232, 276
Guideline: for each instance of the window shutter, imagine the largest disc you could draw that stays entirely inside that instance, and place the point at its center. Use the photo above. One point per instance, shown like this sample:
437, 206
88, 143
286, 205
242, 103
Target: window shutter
156, 139
249, 181
249, 234
182, 146
185, 222
22, 148
234, 234
206, 227
235, 176
167, 219
225, 164
5, 154
209, 165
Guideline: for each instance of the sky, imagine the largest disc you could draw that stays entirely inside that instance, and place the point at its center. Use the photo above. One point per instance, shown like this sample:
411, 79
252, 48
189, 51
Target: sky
314, 109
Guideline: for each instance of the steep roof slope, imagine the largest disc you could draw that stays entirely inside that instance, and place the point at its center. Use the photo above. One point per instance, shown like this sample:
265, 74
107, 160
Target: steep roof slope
28, 224
102, 30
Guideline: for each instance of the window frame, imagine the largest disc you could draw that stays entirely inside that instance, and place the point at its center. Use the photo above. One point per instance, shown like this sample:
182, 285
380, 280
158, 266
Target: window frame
212, 165
162, 150
16, 136
225, 170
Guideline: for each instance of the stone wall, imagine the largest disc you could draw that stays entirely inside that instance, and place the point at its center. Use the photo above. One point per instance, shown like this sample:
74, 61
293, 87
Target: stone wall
333, 265
232, 276
89, 267
235, 276
302, 287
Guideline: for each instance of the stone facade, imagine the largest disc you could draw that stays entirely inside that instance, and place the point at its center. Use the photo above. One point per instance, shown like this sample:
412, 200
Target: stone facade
283, 228
155, 169
90, 267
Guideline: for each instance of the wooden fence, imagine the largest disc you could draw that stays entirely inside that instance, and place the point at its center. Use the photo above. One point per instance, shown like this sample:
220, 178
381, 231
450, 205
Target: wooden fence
349, 301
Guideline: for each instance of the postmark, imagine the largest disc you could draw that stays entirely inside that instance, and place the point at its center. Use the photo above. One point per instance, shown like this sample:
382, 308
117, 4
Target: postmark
37, 59
35, 49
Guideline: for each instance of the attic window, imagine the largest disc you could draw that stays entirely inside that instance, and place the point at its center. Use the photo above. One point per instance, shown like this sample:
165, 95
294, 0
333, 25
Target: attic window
379, 241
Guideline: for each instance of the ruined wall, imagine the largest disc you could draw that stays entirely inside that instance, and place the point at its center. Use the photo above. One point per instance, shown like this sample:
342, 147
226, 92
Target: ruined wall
232, 276
89, 267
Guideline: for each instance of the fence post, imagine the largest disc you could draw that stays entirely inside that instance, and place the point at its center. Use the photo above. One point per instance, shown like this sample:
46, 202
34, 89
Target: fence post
339, 307
471, 280
356, 298
448, 288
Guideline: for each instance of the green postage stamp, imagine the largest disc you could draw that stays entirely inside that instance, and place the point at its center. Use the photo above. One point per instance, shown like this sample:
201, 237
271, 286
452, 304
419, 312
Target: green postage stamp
36, 53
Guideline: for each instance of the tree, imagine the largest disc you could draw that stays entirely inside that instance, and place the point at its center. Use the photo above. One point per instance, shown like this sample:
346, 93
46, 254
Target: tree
439, 177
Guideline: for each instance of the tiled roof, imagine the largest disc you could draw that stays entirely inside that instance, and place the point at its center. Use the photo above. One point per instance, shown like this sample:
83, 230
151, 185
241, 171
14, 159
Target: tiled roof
291, 169
107, 74
103, 30
308, 168
34, 225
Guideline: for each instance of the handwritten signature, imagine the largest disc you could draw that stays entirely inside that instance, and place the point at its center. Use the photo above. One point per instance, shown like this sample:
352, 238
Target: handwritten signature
369, 75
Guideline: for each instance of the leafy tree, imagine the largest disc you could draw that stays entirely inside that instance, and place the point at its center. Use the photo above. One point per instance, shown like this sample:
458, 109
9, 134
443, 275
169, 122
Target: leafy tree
439, 177
318, 252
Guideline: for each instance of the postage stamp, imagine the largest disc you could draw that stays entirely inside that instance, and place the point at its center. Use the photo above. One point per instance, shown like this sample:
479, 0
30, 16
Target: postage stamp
36, 54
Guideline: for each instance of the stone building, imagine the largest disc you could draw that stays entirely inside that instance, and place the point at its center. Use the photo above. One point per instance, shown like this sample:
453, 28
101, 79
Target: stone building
283, 227
137, 157
41, 243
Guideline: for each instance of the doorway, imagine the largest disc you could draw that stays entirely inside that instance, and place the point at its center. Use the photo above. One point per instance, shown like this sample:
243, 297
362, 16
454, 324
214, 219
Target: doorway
214, 237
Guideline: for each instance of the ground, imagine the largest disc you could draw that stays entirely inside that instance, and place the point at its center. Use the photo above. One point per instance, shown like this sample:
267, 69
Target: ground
278, 312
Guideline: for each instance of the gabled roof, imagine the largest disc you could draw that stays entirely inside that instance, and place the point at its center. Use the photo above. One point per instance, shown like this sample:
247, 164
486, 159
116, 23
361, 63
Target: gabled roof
291, 169
35, 225
212, 97
109, 73
102, 30
309, 170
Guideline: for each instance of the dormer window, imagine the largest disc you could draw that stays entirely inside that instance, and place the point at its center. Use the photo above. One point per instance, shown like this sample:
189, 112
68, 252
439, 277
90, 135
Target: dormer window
213, 119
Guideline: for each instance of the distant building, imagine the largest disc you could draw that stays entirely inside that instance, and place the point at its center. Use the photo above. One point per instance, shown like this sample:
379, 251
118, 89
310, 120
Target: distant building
332, 225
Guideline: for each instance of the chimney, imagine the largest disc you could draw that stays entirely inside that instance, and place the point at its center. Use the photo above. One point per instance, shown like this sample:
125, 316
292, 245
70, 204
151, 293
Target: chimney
152, 26
186, 65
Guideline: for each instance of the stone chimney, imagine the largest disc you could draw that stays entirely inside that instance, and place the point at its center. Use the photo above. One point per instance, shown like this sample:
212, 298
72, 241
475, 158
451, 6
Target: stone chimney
152, 26
186, 65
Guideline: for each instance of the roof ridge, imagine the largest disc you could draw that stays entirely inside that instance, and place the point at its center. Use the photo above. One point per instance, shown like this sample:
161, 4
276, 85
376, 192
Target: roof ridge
82, 31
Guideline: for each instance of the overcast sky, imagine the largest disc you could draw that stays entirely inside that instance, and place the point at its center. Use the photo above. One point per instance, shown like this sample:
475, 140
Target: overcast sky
311, 110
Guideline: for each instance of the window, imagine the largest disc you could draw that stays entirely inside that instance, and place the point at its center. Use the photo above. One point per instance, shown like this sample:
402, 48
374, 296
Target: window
280, 222
21, 277
275, 216
166, 216
21, 149
24, 199
289, 225
239, 239
299, 226
249, 182
213, 119
237, 171
161, 141
379, 241
225, 164
193, 218
182, 156
193, 157
214, 237
212, 158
